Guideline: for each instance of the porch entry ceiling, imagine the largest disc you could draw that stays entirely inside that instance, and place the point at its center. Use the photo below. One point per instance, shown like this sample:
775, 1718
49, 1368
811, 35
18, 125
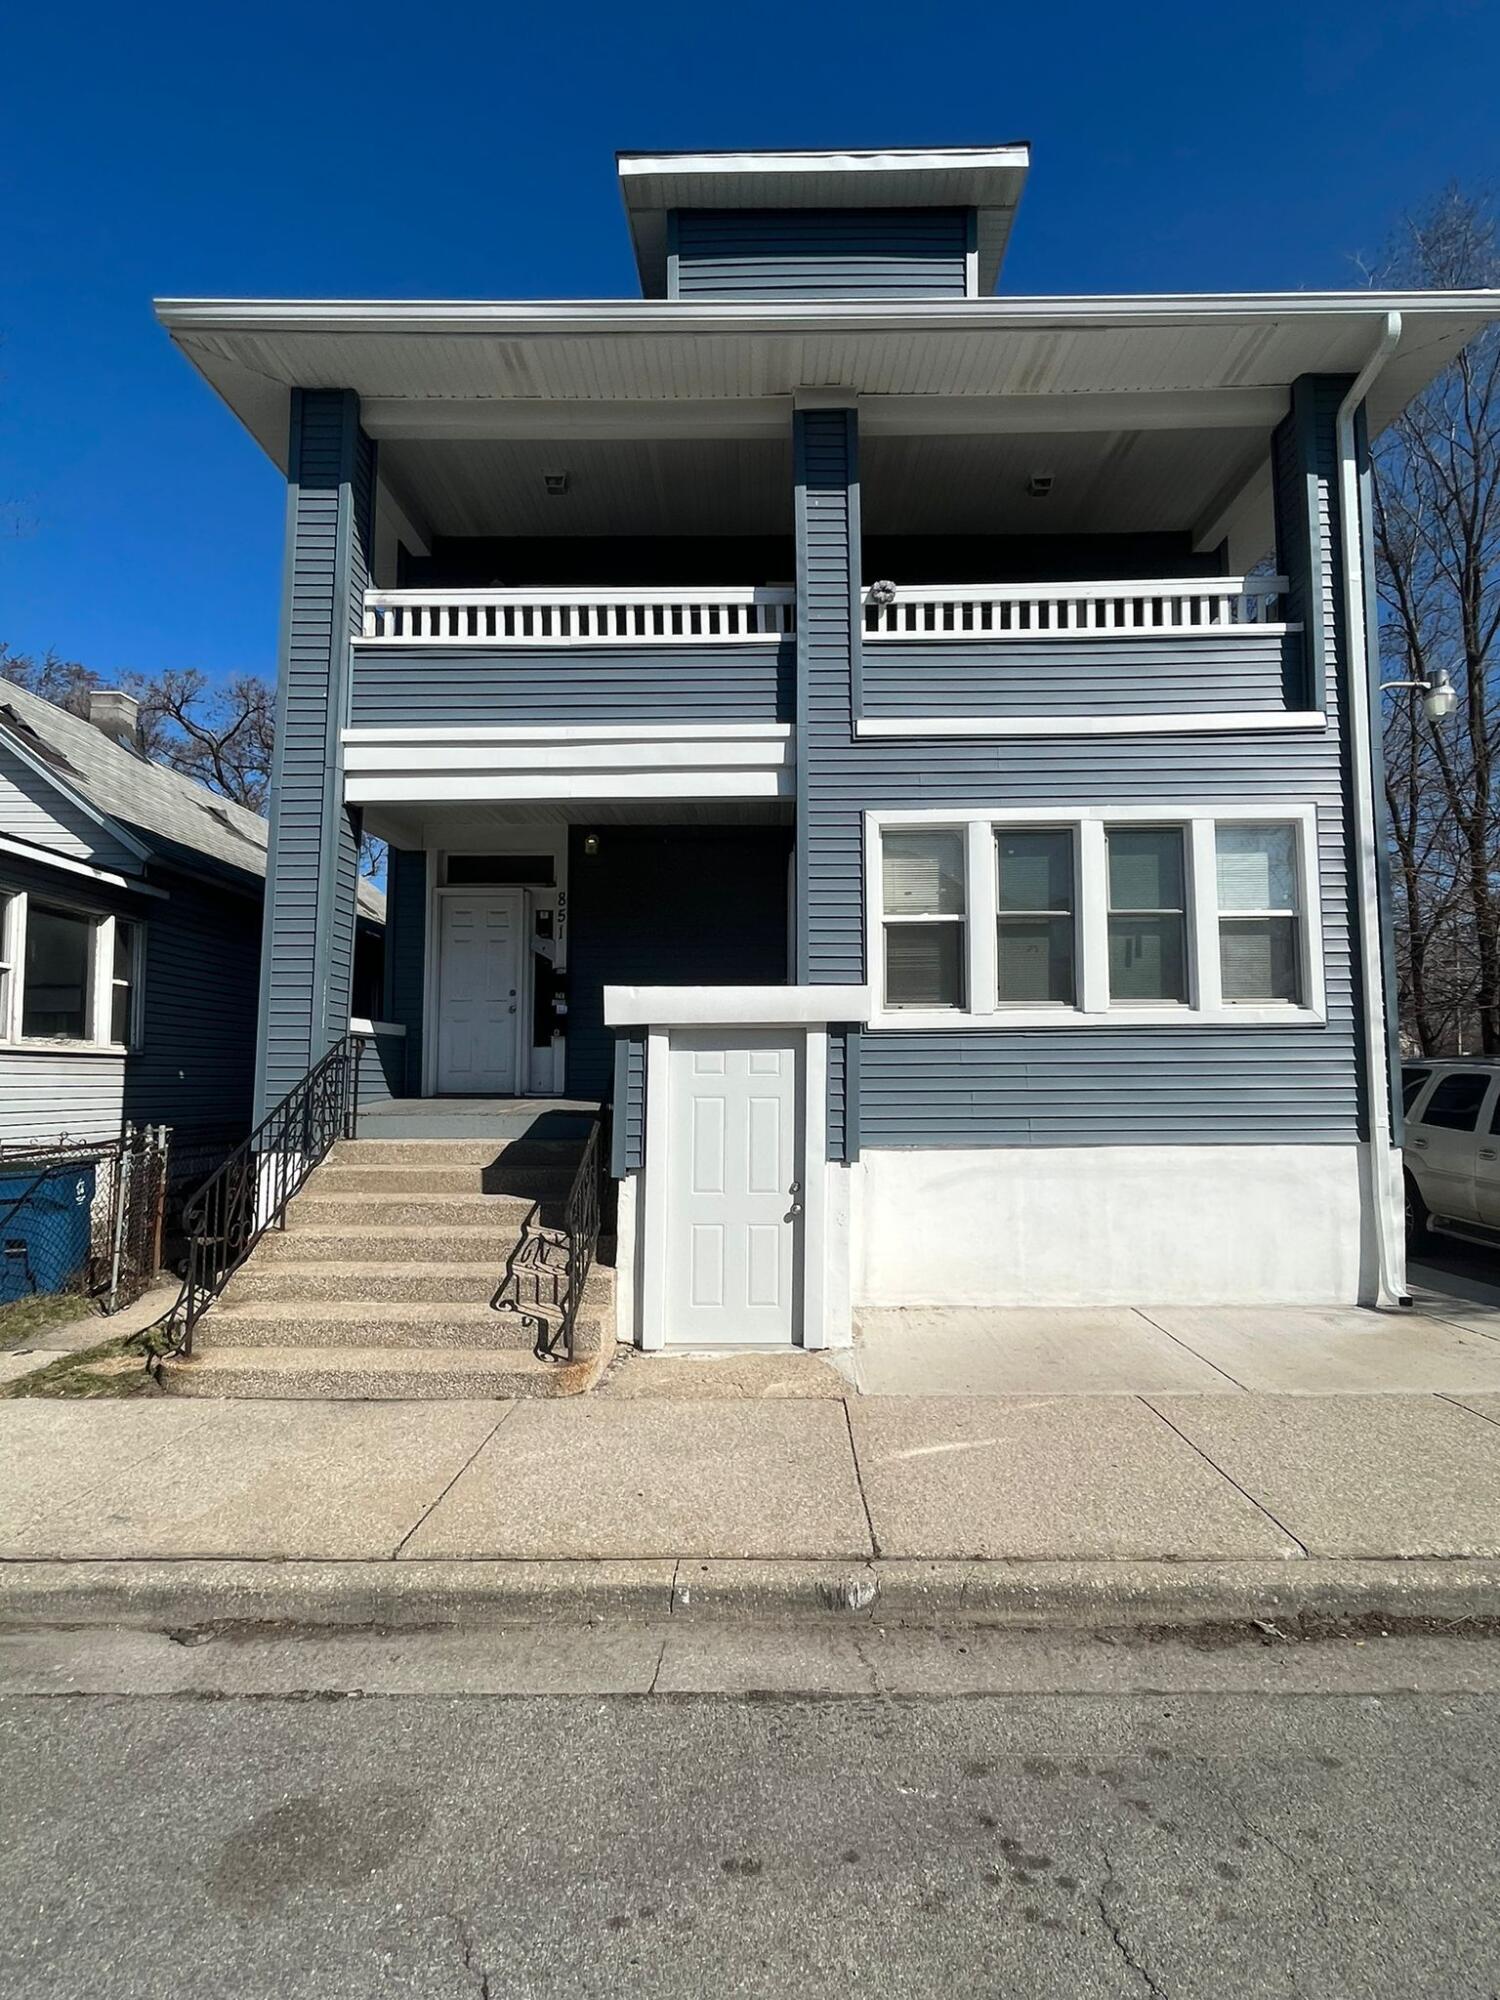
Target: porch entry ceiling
468, 827
1106, 480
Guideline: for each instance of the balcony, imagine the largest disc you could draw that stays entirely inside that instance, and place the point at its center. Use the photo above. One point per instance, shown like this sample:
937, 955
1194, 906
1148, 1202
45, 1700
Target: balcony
689, 693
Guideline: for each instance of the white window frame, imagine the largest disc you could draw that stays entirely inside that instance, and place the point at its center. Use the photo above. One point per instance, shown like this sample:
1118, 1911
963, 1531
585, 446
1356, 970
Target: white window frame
100, 992
1205, 1005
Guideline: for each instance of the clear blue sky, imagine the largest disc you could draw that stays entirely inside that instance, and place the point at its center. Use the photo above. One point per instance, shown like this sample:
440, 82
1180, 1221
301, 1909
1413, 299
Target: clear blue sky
436, 150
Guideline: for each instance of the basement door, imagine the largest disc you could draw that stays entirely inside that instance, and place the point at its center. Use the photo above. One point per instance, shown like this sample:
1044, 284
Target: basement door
478, 991
734, 1195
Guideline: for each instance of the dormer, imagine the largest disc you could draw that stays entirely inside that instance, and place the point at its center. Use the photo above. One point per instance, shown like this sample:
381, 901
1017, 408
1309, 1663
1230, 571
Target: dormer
926, 223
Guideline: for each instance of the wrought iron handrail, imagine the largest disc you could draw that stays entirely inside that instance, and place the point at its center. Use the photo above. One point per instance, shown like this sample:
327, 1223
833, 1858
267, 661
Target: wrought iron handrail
531, 1268
251, 1191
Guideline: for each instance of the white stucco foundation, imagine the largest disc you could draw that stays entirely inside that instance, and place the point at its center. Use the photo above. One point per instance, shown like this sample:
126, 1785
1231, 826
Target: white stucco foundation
1111, 1225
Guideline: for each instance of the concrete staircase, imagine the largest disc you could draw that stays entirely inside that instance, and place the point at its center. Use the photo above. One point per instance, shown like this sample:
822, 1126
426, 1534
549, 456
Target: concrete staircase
381, 1284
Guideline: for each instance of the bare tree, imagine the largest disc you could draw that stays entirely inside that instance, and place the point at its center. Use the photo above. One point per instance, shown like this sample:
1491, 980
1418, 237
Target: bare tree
221, 736
1437, 546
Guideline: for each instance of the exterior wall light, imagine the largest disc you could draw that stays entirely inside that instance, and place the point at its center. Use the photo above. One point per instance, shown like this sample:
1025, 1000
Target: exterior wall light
1439, 695
591, 845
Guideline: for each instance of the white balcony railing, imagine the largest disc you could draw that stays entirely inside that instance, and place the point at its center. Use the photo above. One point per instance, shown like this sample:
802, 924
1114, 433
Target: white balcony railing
577, 617
1184, 607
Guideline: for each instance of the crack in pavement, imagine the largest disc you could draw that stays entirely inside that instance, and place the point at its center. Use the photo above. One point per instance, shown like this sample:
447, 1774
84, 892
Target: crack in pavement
473, 1965
1116, 1931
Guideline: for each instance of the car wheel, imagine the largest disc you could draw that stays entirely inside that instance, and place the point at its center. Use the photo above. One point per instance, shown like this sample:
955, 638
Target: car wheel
1418, 1222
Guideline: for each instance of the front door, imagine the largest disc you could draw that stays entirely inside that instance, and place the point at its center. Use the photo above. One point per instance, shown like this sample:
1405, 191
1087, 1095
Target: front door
734, 1200
478, 992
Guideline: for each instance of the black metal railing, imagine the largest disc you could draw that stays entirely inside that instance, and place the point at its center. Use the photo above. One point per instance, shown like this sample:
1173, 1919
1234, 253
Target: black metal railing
251, 1192
547, 1272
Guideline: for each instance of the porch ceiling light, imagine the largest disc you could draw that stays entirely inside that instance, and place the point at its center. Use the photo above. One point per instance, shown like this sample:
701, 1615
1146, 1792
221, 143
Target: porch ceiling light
1439, 695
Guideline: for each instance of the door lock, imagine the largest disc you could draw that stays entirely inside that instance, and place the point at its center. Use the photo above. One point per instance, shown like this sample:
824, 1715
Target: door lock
795, 1188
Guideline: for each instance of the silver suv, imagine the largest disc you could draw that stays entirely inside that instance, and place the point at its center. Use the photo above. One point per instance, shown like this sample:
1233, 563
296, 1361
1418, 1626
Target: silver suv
1452, 1147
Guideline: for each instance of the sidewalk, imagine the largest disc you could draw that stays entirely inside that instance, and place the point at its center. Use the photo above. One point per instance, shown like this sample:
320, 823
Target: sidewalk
1169, 1506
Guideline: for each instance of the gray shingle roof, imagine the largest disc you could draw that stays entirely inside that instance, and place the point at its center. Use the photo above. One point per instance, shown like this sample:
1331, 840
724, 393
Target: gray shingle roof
160, 805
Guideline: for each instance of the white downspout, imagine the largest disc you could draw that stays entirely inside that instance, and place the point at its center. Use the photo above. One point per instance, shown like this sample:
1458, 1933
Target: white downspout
1387, 1203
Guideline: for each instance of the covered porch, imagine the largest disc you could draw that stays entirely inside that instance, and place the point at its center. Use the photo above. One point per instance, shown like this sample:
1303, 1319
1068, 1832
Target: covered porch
506, 922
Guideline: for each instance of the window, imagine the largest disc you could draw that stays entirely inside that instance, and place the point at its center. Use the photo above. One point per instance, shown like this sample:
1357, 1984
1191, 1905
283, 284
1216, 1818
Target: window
923, 890
67, 976
1455, 1101
122, 983
1258, 913
1034, 958
1147, 914
55, 991
1412, 1081
1087, 915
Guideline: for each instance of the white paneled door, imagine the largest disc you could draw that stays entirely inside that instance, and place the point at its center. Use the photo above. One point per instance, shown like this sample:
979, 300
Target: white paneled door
734, 1199
478, 992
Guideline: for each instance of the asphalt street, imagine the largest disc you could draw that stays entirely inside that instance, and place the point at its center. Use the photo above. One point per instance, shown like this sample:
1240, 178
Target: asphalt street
1278, 1821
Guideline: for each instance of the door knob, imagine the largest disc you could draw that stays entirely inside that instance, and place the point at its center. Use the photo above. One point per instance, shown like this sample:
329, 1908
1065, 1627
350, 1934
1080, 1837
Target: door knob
795, 1209
1486, 1152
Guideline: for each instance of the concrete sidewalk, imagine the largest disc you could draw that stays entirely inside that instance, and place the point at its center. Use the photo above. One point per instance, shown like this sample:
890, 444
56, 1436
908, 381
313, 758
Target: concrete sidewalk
955, 1502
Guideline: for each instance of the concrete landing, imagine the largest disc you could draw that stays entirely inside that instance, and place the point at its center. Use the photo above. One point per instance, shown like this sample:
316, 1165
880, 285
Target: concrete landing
499, 1118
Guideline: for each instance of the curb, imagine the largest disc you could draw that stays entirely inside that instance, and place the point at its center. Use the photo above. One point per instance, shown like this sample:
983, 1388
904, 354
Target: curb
1117, 1597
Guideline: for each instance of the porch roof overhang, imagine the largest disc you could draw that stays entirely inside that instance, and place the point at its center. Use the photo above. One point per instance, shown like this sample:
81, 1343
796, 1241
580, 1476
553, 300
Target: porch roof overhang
450, 368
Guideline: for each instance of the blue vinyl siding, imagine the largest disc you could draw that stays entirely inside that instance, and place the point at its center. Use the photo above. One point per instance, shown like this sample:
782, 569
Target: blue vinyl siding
406, 956
307, 964
996, 1086
667, 906
480, 686
1072, 676
628, 1131
898, 253
382, 1070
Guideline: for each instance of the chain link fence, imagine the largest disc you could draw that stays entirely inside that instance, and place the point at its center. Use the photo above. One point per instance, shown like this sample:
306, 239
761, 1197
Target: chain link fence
84, 1218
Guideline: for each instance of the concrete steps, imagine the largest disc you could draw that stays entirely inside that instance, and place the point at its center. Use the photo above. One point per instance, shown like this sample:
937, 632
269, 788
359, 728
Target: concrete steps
383, 1281
386, 1373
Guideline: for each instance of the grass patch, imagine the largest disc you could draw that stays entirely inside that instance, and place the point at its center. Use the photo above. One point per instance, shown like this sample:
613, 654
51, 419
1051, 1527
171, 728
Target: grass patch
23, 1319
113, 1368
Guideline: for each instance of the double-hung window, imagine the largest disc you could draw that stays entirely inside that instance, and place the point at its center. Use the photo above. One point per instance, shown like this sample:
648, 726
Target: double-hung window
68, 977
1259, 914
1092, 915
1034, 942
923, 899
1148, 956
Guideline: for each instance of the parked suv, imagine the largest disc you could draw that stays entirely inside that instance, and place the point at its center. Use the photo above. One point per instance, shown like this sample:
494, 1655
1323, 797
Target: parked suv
1452, 1145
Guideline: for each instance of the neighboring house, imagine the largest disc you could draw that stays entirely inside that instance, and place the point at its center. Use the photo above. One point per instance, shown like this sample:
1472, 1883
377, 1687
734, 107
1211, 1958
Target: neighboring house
847, 719
130, 927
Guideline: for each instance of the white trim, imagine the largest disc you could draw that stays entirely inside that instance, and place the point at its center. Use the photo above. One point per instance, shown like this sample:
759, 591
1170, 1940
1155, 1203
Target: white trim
1229, 722
900, 159
46, 857
654, 1216
430, 976
579, 733
99, 978
1041, 311
361, 1027
733, 1006
670, 615
814, 1196
480, 788
642, 754
1197, 819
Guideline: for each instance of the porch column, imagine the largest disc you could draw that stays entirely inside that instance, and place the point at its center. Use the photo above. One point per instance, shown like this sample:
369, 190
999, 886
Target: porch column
829, 930
307, 947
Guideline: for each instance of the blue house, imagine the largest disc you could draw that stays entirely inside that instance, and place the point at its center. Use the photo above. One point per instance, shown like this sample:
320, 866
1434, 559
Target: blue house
130, 924
909, 751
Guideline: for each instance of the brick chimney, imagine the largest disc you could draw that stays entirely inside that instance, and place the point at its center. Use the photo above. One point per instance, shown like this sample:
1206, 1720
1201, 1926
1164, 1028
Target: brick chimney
118, 714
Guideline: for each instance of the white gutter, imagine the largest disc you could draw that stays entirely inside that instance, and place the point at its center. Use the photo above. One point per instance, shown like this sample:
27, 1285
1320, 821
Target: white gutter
1385, 1163
813, 316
